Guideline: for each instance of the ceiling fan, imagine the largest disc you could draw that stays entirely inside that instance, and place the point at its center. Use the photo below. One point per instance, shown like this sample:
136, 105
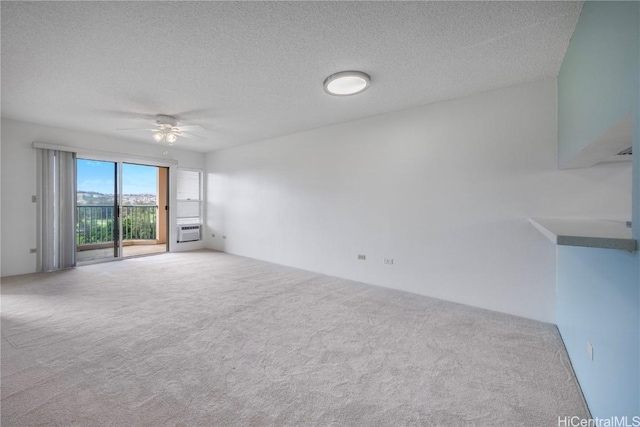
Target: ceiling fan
167, 129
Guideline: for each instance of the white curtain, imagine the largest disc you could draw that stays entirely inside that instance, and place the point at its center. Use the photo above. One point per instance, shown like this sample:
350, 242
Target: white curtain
56, 209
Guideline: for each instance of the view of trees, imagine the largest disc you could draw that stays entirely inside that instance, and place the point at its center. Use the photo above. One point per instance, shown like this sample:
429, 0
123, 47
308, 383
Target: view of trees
94, 223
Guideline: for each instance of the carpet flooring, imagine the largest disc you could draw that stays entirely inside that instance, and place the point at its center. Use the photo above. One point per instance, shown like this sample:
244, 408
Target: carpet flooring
127, 251
210, 339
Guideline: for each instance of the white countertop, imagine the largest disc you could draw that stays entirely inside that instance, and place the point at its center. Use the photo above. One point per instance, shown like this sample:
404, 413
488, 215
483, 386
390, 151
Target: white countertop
593, 233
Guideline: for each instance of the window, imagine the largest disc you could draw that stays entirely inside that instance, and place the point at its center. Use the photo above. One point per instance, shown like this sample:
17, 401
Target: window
189, 197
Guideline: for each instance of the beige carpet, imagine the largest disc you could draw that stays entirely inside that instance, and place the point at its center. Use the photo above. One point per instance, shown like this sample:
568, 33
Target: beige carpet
210, 339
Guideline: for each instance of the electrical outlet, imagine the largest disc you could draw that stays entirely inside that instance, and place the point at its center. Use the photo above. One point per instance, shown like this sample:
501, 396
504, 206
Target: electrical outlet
362, 257
33, 250
33, 199
589, 350
388, 260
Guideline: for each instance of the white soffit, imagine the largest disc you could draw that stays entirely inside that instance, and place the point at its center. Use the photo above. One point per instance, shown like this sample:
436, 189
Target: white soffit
248, 71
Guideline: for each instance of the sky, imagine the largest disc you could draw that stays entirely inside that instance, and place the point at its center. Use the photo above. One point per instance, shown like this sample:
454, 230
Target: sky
98, 176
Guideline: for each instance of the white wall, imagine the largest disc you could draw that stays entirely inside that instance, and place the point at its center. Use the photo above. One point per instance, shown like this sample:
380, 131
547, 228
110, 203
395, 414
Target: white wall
445, 190
19, 183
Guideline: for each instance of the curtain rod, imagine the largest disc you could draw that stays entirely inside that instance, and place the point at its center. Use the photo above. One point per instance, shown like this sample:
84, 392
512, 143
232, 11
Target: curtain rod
110, 154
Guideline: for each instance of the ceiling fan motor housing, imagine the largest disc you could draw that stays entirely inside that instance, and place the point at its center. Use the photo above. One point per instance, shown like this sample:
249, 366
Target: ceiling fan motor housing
166, 121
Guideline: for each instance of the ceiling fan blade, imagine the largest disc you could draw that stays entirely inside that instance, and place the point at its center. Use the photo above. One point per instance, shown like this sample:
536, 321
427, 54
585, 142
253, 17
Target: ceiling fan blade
118, 114
198, 113
190, 127
147, 118
190, 135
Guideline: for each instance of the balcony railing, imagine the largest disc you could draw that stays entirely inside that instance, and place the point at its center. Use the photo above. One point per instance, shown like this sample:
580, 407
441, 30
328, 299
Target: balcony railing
94, 223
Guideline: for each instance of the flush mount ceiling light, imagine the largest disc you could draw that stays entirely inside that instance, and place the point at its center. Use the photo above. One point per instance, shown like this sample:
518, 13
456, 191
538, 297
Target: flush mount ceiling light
347, 83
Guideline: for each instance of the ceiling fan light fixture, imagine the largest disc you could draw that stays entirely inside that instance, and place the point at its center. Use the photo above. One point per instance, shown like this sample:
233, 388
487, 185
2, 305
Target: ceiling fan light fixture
347, 83
171, 138
167, 130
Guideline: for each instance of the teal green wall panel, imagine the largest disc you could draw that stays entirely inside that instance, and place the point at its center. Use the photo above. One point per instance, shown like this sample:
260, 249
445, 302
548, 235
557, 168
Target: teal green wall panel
597, 301
598, 80
598, 289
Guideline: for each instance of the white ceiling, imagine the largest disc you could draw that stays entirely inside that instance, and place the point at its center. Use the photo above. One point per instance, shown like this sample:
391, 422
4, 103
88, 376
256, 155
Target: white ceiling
248, 71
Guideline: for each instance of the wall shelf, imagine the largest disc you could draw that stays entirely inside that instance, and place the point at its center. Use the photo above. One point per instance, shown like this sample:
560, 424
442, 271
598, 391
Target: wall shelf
591, 233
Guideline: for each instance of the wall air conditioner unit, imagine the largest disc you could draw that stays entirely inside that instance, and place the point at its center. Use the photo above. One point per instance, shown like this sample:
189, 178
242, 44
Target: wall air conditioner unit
188, 233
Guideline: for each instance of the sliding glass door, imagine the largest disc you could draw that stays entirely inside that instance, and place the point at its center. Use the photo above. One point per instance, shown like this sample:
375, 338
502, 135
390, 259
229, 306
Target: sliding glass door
97, 227
144, 207
121, 210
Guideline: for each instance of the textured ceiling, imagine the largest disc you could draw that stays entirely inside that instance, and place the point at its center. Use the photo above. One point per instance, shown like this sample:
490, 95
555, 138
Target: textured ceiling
252, 70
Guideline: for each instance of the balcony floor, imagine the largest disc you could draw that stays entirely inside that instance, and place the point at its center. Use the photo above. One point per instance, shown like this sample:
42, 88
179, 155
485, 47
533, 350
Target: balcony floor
127, 251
